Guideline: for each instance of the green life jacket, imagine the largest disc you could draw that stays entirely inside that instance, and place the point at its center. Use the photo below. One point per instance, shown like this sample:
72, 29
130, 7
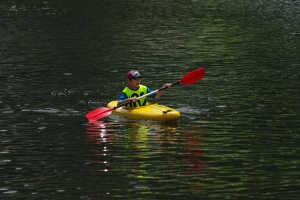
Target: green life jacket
137, 93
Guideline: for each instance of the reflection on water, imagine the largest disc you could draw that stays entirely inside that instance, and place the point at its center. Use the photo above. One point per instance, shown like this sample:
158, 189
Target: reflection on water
149, 157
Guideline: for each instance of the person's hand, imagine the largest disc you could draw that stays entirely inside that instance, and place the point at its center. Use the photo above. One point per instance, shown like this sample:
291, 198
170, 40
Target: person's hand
168, 85
133, 99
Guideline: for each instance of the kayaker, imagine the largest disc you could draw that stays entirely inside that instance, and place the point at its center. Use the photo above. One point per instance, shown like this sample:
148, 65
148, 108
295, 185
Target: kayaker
135, 90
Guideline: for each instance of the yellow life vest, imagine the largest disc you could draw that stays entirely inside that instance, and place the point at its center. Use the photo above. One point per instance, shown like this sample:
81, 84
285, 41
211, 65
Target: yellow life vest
137, 93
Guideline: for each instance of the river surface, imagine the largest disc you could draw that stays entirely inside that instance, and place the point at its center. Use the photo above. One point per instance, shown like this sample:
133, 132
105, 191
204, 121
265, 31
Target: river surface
239, 132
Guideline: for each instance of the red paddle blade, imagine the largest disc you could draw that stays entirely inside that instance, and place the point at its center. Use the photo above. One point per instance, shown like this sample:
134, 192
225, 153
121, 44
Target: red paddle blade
193, 76
99, 113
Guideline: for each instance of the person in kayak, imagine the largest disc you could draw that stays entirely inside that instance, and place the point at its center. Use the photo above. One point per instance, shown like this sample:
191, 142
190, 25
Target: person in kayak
135, 90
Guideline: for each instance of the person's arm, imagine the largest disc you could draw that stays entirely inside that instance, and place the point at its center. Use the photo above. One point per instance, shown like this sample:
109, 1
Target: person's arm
123, 99
133, 99
159, 93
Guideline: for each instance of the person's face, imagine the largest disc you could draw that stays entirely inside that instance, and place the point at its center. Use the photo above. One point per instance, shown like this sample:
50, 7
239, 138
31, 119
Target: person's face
135, 83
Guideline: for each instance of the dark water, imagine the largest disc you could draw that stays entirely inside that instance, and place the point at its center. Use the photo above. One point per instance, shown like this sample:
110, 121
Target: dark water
238, 135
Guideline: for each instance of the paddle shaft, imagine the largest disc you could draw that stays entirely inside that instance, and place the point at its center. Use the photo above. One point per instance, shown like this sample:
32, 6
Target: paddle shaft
145, 95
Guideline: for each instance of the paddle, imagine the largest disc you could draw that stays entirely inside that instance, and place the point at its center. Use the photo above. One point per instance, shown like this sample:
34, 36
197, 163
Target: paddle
189, 78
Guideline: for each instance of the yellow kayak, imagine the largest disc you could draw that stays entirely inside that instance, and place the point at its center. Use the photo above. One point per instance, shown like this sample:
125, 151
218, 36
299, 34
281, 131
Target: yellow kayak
152, 112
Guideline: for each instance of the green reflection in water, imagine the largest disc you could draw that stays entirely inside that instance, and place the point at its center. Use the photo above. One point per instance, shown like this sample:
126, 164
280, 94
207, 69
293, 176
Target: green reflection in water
157, 158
